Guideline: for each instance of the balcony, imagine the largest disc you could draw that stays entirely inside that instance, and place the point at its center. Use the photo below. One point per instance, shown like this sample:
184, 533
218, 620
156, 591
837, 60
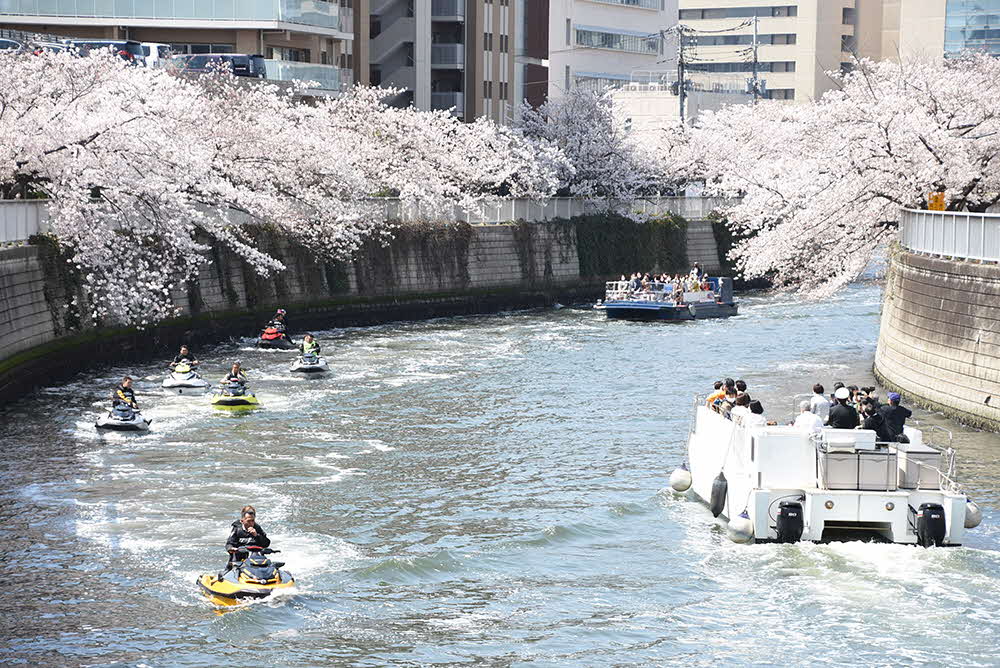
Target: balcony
448, 10
448, 56
452, 100
327, 78
181, 13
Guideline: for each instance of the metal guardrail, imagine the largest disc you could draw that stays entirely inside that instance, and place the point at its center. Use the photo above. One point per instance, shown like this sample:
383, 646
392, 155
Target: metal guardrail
961, 234
327, 77
21, 219
449, 8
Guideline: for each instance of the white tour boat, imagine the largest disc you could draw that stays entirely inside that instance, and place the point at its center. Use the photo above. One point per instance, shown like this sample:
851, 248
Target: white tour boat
662, 302
782, 484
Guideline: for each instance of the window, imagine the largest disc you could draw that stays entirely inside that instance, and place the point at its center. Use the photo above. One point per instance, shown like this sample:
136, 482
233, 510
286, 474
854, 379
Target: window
504, 43
737, 12
488, 41
739, 40
850, 16
781, 66
181, 49
569, 30
567, 78
648, 44
780, 94
848, 43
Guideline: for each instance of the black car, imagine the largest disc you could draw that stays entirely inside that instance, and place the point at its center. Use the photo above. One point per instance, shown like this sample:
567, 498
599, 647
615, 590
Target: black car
241, 64
127, 49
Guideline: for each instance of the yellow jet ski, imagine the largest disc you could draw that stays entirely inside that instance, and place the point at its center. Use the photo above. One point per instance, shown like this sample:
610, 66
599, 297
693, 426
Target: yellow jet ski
250, 575
234, 395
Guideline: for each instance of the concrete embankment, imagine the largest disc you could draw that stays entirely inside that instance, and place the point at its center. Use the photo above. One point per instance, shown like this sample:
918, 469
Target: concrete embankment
939, 343
426, 271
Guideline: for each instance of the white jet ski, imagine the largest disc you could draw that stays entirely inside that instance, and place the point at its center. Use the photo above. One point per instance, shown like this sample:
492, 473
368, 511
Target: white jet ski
123, 417
185, 380
309, 363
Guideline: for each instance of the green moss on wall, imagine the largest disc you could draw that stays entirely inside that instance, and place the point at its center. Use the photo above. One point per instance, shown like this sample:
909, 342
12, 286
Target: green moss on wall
610, 245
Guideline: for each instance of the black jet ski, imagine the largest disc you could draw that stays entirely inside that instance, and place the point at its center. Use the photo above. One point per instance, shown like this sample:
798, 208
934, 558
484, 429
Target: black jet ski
250, 575
123, 417
275, 337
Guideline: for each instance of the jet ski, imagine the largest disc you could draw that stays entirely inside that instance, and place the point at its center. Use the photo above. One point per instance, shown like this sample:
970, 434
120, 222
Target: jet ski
251, 575
185, 380
309, 363
123, 417
234, 395
274, 337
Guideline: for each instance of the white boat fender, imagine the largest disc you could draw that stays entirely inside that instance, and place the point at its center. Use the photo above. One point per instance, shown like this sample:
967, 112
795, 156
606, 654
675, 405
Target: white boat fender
973, 514
931, 526
741, 528
720, 487
680, 479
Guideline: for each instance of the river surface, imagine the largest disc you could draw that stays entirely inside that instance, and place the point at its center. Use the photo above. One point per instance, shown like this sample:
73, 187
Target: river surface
469, 491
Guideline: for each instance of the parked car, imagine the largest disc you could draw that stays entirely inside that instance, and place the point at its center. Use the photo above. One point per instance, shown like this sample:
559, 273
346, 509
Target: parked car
241, 64
11, 45
156, 54
128, 49
38, 48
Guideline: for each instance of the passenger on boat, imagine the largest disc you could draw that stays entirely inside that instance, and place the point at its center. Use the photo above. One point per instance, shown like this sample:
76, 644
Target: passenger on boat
875, 421
741, 387
843, 415
807, 420
697, 272
895, 415
718, 395
756, 417
819, 404
741, 409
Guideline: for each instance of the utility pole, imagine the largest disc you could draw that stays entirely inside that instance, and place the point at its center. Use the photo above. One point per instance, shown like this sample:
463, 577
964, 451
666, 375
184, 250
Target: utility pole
681, 81
754, 81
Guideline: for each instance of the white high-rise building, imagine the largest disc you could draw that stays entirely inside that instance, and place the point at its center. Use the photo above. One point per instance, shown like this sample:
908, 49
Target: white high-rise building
607, 43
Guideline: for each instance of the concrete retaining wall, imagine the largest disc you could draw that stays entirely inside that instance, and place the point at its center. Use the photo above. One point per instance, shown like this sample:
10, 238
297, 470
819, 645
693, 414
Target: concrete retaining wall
25, 319
939, 343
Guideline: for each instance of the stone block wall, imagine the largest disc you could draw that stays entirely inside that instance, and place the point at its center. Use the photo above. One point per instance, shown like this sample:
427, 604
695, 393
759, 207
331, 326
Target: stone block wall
25, 319
939, 342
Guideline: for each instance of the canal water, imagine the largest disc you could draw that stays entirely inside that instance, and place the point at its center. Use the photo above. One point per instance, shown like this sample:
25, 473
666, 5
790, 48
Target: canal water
475, 491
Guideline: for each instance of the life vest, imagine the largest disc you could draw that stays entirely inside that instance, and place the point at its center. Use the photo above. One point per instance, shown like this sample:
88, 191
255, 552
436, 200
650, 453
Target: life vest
271, 334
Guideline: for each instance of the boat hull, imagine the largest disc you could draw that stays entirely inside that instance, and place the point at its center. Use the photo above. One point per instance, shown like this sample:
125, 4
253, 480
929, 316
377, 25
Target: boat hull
665, 311
766, 465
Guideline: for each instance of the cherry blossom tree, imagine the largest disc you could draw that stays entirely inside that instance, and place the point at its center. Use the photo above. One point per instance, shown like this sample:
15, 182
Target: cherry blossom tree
822, 184
142, 169
604, 160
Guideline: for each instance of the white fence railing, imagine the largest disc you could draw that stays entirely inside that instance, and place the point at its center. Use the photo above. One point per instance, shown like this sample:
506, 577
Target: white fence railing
973, 236
21, 219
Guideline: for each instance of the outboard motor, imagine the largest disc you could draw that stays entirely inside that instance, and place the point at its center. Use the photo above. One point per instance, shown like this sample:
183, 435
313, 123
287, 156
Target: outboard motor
789, 524
930, 524
720, 487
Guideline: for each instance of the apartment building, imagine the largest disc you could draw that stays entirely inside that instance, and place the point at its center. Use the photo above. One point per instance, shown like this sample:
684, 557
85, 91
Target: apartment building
476, 57
798, 42
606, 43
936, 27
301, 39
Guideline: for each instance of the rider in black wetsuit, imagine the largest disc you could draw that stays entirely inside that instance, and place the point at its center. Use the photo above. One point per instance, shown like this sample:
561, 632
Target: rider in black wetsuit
123, 394
245, 532
186, 356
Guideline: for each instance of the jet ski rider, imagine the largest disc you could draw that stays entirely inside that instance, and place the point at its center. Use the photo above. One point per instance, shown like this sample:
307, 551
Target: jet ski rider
123, 394
184, 356
309, 345
278, 321
235, 374
246, 532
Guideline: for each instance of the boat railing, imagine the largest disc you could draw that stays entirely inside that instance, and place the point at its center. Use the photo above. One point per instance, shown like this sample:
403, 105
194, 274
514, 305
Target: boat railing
656, 292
